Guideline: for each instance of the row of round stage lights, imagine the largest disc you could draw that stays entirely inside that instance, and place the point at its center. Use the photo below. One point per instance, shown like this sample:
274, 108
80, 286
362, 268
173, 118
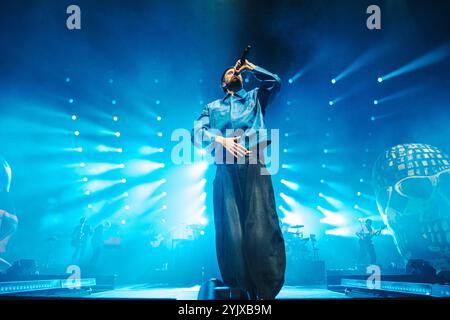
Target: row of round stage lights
119, 150
83, 164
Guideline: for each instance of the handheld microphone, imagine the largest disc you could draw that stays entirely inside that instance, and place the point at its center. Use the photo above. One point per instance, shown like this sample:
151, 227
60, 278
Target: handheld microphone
245, 54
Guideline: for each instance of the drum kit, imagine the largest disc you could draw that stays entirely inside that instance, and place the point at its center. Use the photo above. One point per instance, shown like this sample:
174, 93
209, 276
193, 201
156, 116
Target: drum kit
299, 247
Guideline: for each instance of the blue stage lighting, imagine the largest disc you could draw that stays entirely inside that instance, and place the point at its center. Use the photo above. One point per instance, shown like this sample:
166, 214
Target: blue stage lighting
330, 102
88, 193
203, 221
158, 118
117, 134
82, 164
120, 150
161, 149
123, 180
85, 179
74, 117
320, 194
380, 79
372, 118
125, 194
160, 134
358, 193
375, 101
70, 100
356, 206
115, 118
89, 206
80, 149
77, 133
202, 232
113, 101
127, 207
157, 102
123, 221
290, 81
333, 81
164, 207
67, 79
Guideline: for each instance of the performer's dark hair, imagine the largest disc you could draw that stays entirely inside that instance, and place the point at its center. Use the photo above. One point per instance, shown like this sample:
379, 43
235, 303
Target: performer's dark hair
223, 75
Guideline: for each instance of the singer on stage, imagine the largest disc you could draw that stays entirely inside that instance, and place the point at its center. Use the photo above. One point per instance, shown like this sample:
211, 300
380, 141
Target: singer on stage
249, 243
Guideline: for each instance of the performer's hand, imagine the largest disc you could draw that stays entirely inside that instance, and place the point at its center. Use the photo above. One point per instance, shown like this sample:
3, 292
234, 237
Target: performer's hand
239, 67
231, 146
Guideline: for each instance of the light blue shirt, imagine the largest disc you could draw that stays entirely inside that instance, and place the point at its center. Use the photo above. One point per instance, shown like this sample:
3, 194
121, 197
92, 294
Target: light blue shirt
244, 111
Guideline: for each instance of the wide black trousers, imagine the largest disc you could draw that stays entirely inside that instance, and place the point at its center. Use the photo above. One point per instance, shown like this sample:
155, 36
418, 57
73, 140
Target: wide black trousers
249, 243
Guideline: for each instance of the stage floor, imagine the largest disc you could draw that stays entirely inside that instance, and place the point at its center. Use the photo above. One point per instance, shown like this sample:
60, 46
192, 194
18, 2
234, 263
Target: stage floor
190, 293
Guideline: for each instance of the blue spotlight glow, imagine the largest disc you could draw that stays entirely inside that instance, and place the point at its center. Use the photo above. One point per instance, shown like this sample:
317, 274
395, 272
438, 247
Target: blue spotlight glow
358, 194
85, 179
291, 185
127, 207
380, 79
77, 133
355, 206
320, 194
375, 101
88, 193
333, 81
123, 221
117, 134
158, 118
164, 207
125, 194
80, 149
70, 100
74, 117
331, 218
124, 180
113, 101
83, 164
290, 81
203, 221
289, 200
432, 57
160, 134
102, 148
330, 102
163, 180
146, 150
115, 118
67, 79
89, 206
